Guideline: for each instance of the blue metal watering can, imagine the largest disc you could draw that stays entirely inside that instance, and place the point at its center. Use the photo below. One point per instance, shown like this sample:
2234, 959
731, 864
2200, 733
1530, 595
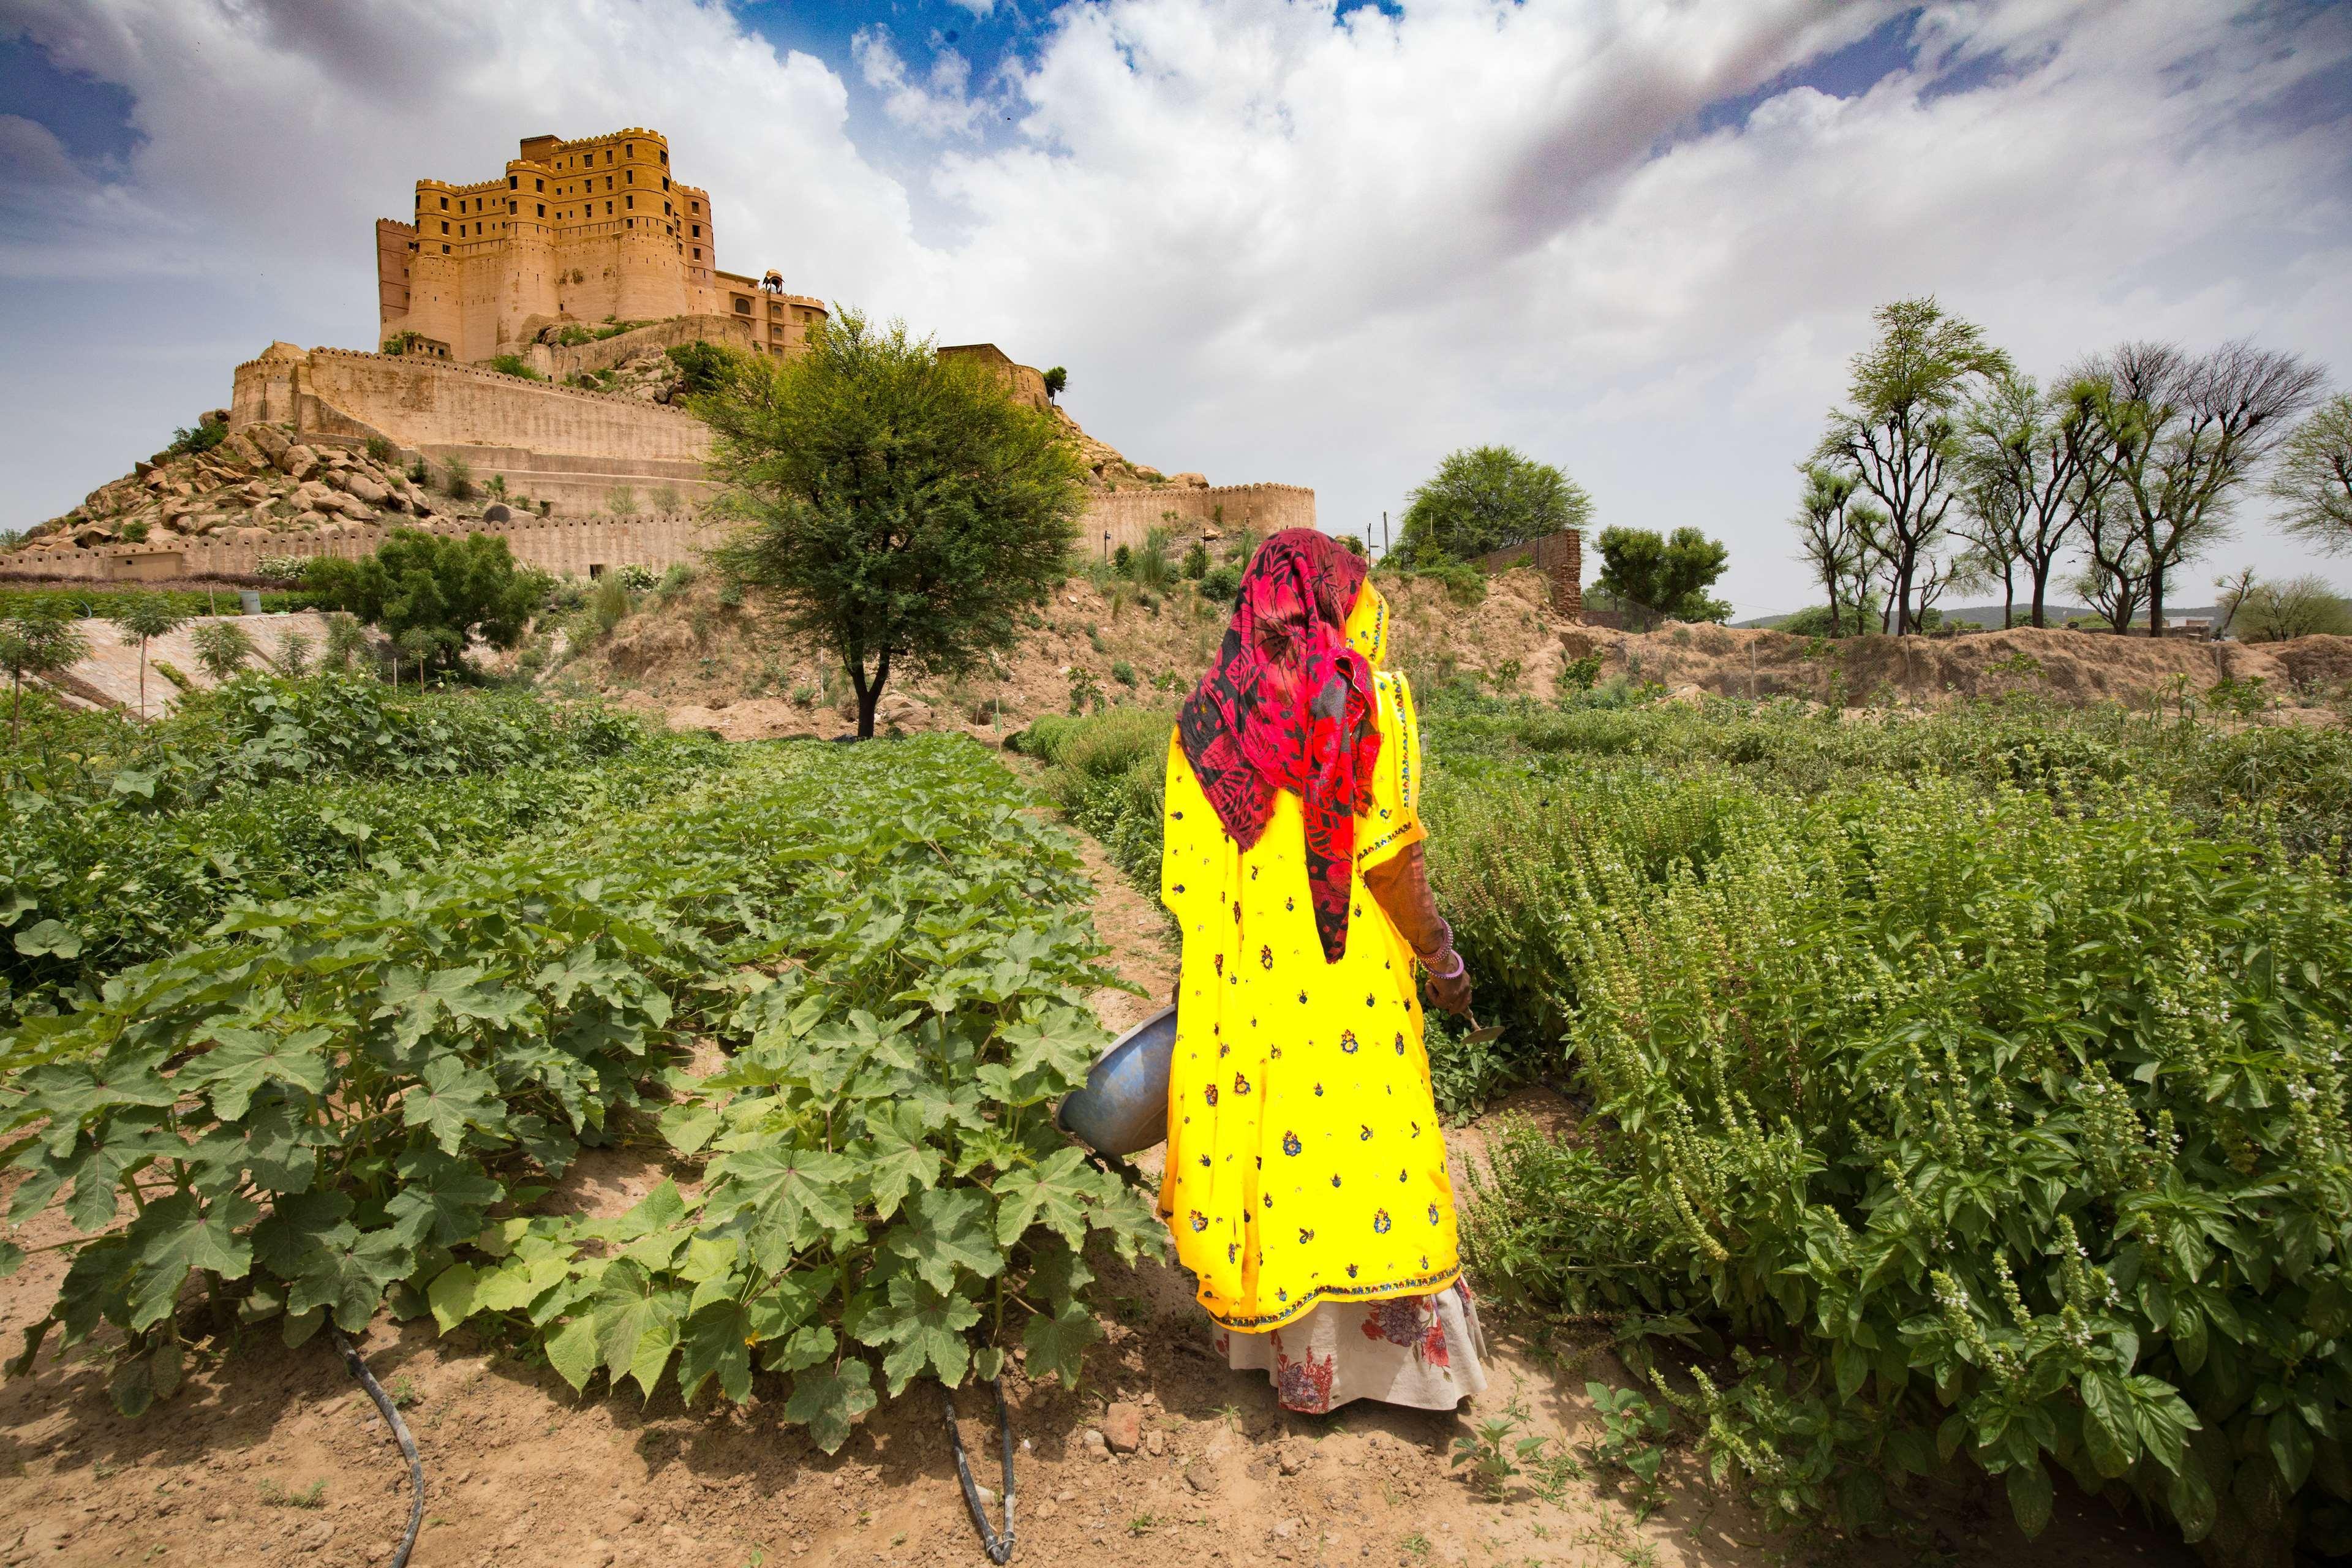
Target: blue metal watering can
1123, 1108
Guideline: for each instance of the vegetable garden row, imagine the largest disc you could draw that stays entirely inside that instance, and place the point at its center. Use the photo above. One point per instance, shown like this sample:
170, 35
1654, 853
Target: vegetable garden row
1962, 1088
346, 1081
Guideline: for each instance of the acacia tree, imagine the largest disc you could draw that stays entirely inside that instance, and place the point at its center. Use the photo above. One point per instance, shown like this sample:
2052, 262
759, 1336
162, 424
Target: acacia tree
146, 618
1898, 435
2114, 579
1484, 499
222, 648
36, 645
2182, 437
1839, 534
905, 509
2313, 477
2032, 475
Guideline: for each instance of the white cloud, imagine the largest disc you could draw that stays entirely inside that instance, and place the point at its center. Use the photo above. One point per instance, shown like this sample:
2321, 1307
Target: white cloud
939, 105
1269, 246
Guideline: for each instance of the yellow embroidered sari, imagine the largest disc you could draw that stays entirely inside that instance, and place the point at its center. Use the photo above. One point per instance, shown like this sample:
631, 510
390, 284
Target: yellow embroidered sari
1304, 1159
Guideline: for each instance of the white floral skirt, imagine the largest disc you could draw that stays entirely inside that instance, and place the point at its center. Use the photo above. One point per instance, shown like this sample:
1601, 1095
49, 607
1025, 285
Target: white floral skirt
1419, 1351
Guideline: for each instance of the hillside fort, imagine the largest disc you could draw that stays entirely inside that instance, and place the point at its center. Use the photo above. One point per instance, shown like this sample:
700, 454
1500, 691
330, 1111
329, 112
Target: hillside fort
523, 330
588, 231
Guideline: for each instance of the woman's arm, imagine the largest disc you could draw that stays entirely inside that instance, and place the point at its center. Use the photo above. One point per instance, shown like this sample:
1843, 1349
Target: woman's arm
1401, 883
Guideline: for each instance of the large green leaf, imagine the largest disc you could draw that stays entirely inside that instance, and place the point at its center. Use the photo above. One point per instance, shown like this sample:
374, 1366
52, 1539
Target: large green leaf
923, 1329
1052, 1194
898, 1156
796, 1195
944, 1230
348, 1276
241, 1060
637, 1324
1057, 1343
440, 1200
451, 1099
177, 1235
829, 1401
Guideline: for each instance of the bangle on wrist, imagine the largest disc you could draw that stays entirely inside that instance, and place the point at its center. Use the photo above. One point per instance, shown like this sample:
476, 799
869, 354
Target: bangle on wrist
1446, 965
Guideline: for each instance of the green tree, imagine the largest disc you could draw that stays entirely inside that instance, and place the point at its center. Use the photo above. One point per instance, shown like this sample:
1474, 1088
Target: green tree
1661, 577
142, 619
1840, 534
222, 648
2298, 607
36, 645
1898, 433
1485, 498
2313, 477
2183, 436
705, 367
1056, 379
906, 510
451, 589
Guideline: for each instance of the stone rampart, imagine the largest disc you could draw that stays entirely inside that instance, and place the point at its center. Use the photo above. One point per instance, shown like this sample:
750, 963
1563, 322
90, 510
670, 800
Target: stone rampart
567, 546
1128, 515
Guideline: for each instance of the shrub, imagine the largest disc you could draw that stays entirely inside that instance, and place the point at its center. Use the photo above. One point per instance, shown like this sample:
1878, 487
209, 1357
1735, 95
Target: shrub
448, 590
610, 603
282, 568
514, 364
621, 501
2002, 1117
135, 531
1122, 672
1122, 562
381, 450
1196, 560
1222, 582
1151, 565
203, 437
456, 478
703, 367
666, 498
636, 578
222, 648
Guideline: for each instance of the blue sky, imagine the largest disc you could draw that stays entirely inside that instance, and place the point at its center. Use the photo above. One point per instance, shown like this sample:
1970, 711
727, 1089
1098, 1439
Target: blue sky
1272, 239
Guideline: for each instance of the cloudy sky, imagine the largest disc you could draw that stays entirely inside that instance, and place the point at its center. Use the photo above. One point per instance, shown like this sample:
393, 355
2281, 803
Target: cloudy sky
1271, 239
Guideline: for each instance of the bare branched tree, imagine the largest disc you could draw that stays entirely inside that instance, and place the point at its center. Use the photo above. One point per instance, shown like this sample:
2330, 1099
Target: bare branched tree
1899, 435
2182, 434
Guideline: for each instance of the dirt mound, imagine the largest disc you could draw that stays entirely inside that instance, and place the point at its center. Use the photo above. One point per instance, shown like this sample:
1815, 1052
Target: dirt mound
2072, 667
734, 670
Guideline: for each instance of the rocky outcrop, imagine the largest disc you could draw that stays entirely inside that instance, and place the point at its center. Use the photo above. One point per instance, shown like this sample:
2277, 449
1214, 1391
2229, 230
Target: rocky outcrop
255, 483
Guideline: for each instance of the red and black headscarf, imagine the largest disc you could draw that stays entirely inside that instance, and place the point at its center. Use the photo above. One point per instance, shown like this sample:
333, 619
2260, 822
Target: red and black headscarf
1289, 705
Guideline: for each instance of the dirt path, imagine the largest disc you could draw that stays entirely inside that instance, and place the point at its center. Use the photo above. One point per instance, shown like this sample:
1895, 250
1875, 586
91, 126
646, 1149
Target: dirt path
272, 1457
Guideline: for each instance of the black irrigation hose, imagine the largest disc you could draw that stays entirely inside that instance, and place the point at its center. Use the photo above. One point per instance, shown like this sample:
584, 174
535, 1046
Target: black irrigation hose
391, 1413
999, 1547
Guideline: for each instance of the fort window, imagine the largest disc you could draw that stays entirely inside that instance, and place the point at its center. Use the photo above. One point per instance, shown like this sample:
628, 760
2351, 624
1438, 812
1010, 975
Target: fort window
445, 204
698, 231
514, 182
444, 250
664, 181
697, 253
629, 201
629, 176
542, 208
444, 226
514, 206
608, 182
608, 209
742, 306
539, 185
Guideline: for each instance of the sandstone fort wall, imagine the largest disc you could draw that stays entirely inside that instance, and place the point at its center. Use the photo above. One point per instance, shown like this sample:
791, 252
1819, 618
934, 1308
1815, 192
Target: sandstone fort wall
576, 546
1558, 556
1128, 515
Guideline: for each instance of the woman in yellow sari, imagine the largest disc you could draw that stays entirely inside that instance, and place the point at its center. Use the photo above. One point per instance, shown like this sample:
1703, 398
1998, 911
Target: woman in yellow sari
1305, 1182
